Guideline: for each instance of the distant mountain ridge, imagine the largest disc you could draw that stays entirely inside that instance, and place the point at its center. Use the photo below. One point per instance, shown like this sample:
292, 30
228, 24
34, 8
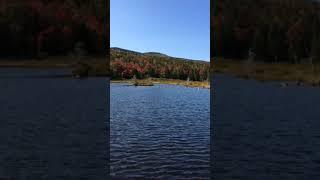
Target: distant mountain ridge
154, 54
127, 64
116, 49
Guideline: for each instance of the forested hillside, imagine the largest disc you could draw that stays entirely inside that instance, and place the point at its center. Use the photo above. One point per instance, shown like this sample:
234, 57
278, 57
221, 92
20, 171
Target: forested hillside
126, 64
39, 28
274, 30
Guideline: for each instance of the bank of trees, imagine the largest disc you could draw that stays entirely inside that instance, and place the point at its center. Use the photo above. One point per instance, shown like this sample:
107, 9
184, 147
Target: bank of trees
35, 28
275, 30
126, 65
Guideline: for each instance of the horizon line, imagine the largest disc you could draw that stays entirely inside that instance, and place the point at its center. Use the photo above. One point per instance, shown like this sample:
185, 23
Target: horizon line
206, 60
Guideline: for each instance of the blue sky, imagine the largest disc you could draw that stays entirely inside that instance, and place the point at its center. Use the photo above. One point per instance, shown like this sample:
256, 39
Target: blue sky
178, 28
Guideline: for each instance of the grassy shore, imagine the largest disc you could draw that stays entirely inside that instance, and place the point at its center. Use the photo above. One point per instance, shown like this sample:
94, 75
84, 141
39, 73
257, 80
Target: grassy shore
151, 81
97, 65
284, 72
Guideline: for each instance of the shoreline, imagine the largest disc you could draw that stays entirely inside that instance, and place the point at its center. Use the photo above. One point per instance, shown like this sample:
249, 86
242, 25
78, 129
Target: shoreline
199, 84
285, 73
98, 65
34, 64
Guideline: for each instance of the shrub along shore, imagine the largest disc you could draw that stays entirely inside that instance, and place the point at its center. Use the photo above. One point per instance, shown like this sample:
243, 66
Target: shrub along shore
285, 73
152, 81
89, 66
96, 67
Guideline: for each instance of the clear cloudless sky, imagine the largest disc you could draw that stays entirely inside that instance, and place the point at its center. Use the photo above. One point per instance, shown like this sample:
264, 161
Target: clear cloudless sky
178, 28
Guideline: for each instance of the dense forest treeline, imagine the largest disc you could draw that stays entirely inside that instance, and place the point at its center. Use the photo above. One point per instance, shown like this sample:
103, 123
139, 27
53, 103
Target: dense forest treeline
39, 28
127, 64
272, 30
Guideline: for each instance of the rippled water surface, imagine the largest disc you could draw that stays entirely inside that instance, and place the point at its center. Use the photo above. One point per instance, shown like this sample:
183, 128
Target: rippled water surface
264, 131
160, 132
52, 127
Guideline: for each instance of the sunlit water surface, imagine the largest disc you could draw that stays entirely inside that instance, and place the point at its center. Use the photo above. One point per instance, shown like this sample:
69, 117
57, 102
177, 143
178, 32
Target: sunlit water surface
160, 132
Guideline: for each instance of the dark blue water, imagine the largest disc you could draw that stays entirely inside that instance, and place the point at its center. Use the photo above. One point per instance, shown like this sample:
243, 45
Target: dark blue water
160, 132
264, 131
52, 127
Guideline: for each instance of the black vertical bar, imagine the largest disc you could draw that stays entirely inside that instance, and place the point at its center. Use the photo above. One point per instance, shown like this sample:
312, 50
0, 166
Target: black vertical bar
106, 47
212, 4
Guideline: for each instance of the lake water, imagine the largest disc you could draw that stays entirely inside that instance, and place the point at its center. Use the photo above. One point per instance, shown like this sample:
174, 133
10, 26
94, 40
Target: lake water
52, 127
264, 131
161, 131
